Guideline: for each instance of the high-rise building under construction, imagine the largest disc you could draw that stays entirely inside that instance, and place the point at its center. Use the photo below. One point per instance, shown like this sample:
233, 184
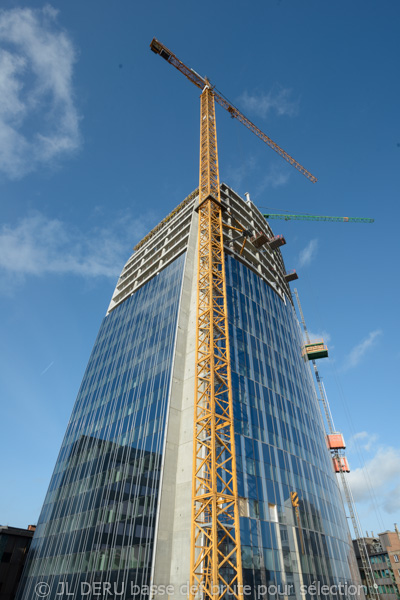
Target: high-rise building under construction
117, 515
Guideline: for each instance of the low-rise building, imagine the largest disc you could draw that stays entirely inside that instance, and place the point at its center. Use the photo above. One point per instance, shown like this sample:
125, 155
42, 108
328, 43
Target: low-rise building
14, 546
384, 556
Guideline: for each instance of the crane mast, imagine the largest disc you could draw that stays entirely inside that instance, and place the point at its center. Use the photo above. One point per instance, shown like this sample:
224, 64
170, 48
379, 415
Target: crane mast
216, 568
215, 556
372, 591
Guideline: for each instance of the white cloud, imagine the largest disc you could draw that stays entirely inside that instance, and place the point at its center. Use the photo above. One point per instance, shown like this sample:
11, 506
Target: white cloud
237, 175
382, 474
38, 246
277, 100
392, 501
358, 352
364, 439
308, 253
39, 122
275, 177
324, 335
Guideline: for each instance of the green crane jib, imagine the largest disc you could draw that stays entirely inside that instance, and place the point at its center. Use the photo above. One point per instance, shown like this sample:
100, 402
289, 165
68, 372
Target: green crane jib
286, 217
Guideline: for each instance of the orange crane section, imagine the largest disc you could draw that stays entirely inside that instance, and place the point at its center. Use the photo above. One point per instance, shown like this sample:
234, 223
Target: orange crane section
235, 113
216, 562
215, 559
215, 555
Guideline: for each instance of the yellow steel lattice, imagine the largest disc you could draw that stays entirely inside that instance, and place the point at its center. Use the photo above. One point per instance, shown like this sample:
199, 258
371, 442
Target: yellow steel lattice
216, 569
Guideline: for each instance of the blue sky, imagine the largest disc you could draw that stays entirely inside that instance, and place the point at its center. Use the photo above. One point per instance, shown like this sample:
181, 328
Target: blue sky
99, 141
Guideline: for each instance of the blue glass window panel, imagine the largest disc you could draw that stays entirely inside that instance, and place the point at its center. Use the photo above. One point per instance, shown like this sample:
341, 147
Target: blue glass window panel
99, 512
275, 384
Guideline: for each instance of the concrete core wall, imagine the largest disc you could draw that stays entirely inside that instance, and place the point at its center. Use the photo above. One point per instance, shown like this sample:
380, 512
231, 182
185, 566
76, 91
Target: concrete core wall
172, 546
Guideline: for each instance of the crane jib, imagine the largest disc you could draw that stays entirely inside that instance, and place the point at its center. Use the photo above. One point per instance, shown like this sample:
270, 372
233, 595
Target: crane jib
199, 81
287, 217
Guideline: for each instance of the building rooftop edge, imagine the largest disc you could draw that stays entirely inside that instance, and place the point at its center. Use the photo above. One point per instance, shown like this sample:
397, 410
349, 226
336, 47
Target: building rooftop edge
167, 240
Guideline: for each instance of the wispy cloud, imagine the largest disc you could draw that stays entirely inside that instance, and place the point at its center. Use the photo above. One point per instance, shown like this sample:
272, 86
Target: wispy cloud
320, 335
38, 246
274, 178
308, 253
359, 351
39, 122
392, 501
381, 474
277, 100
236, 175
364, 439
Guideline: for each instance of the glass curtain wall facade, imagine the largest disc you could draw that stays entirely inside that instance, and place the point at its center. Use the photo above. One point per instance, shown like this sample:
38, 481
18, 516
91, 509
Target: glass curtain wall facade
98, 519
118, 509
281, 448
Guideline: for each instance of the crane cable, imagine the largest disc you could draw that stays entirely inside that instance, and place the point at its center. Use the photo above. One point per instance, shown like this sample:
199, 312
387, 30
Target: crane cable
349, 419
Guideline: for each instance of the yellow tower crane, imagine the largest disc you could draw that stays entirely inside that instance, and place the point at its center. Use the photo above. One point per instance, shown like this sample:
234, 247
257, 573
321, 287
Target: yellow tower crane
215, 560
